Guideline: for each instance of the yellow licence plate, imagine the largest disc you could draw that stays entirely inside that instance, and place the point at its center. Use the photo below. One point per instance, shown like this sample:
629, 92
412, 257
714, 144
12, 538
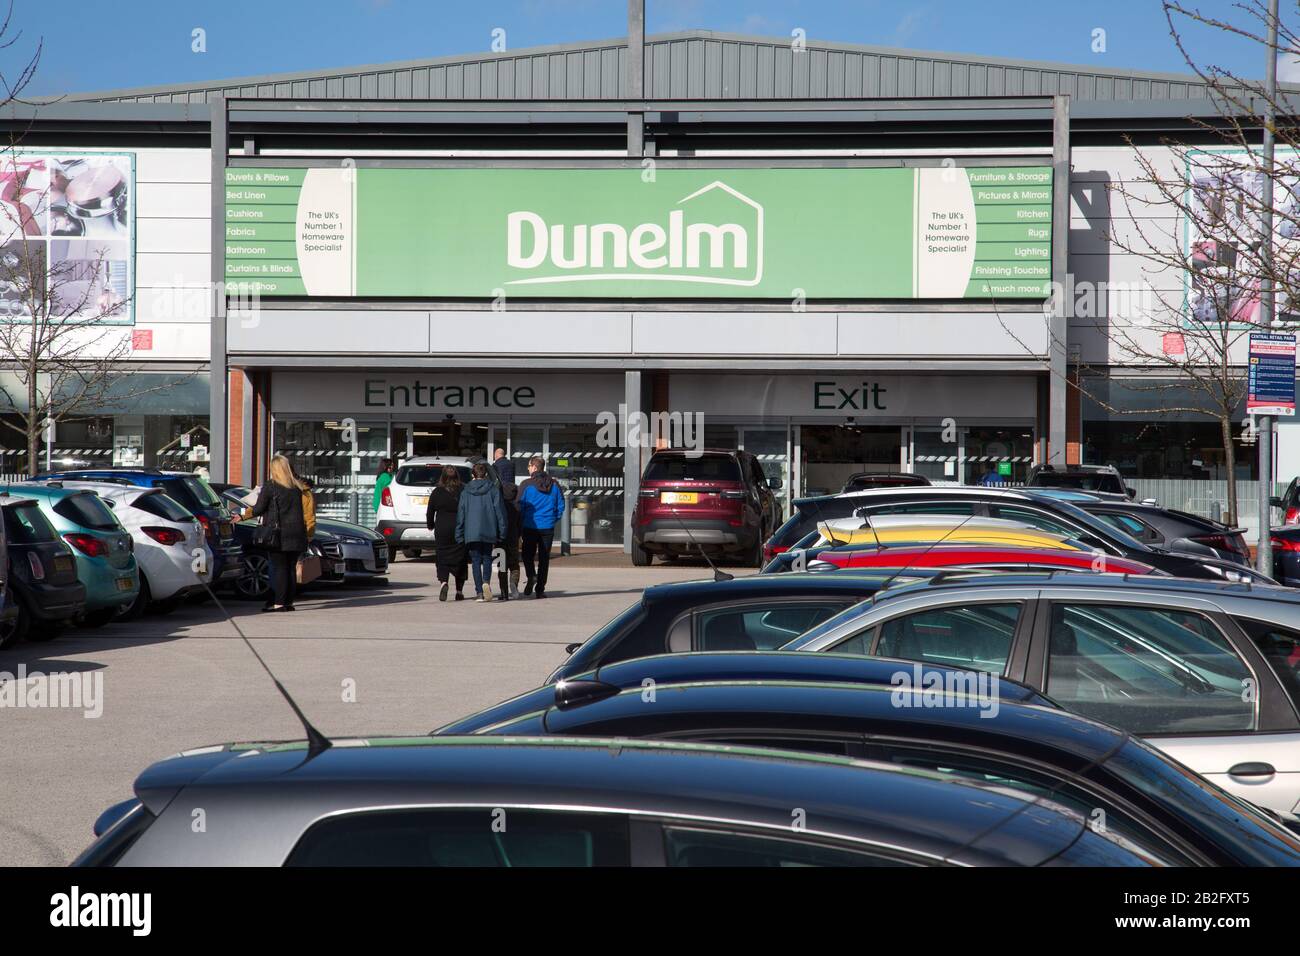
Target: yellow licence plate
680, 497
125, 584
420, 500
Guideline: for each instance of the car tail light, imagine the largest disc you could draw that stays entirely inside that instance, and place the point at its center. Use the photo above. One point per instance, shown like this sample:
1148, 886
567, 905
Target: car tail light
1284, 544
1222, 542
770, 551
388, 531
206, 522
87, 544
165, 535
1292, 515
37, 569
386, 498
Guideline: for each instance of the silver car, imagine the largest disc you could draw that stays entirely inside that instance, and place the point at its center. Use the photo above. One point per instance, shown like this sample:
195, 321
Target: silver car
1208, 672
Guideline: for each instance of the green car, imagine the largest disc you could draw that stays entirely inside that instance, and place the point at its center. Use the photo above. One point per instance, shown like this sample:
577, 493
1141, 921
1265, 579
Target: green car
104, 550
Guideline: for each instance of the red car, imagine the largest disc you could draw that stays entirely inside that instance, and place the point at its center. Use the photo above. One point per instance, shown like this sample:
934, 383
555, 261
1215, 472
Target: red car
981, 558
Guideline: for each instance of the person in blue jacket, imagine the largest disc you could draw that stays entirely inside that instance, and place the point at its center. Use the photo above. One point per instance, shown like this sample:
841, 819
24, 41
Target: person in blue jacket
480, 524
541, 504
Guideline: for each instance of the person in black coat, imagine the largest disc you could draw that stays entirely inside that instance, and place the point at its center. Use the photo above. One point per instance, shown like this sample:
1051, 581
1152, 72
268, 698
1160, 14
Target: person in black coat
508, 577
440, 518
279, 505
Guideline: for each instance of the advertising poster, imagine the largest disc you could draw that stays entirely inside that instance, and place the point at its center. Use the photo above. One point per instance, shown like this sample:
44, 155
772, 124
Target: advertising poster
850, 233
67, 227
1271, 380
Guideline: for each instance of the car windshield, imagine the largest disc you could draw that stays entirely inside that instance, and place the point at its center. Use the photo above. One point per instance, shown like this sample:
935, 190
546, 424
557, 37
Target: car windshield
89, 511
193, 491
685, 468
26, 524
830, 624
1100, 528
1083, 481
426, 476
162, 506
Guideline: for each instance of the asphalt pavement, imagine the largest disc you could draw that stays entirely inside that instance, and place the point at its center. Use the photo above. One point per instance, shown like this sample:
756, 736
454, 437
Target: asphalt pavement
381, 660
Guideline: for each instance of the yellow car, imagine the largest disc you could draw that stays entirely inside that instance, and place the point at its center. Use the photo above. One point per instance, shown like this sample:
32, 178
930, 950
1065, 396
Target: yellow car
931, 529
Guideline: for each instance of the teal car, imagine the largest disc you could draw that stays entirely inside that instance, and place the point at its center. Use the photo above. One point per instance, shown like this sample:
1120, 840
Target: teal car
103, 549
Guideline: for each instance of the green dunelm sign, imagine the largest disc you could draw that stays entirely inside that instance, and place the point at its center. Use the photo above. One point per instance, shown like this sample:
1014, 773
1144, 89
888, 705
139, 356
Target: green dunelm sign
850, 233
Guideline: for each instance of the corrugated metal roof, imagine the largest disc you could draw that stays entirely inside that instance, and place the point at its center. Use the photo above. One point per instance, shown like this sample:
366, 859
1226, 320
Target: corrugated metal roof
691, 65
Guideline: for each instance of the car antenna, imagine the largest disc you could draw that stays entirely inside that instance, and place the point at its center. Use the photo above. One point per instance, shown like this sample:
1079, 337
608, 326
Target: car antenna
317, 743
933, 544
718, 573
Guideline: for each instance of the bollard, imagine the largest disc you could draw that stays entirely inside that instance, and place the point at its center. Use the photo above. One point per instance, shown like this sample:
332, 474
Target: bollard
1216, 512
566, 546
354, 507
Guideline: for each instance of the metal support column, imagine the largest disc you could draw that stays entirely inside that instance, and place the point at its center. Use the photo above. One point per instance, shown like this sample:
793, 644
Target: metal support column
1058, 323
219, 399
631, 453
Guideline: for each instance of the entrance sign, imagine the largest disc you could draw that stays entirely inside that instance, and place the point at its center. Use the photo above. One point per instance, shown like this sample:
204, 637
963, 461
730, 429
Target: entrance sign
1271, 381
744, 233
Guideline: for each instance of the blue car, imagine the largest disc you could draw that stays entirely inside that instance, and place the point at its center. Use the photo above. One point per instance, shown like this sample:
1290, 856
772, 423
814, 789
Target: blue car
192, 492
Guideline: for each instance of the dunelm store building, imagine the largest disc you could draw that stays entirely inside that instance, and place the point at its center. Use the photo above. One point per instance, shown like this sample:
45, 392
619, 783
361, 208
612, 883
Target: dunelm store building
834, 256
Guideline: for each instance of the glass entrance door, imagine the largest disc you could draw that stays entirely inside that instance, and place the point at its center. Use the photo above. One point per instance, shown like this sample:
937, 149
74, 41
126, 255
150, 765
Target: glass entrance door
343, 478
453, 437
830, 454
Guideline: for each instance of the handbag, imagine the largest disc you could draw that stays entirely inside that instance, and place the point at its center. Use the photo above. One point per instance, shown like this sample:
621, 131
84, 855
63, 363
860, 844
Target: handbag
267, 534
308, 568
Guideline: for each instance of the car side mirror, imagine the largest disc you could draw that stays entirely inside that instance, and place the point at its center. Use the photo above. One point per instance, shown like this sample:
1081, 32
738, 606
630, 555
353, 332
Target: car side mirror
1188, 546
1130, 491
1275, 502
775, 484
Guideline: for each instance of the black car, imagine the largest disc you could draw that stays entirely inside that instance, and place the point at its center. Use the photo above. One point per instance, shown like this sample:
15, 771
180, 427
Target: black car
704, 668
1171, 529
862, 480
191, 492
756, 613
42, 574
1104, 479
967, 730
253, 582
1056, 512
581, 802
1286, 554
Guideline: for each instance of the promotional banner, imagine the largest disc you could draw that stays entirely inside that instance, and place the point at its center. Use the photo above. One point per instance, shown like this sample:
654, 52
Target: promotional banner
495, 232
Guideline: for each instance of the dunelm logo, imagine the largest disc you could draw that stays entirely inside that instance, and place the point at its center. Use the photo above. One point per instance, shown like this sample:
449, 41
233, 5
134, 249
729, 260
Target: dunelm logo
677, 250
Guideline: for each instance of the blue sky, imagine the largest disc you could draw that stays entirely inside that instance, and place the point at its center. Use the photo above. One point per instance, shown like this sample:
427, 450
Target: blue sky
147, 42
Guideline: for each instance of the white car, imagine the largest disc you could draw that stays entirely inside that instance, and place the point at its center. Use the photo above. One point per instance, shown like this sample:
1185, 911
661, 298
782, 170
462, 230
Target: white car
404, 503
170, 546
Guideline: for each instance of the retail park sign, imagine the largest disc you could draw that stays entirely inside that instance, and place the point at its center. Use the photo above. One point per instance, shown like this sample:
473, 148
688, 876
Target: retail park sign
777, 233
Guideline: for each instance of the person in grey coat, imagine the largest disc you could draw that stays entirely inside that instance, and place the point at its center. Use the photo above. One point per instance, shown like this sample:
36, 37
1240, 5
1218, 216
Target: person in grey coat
480, 525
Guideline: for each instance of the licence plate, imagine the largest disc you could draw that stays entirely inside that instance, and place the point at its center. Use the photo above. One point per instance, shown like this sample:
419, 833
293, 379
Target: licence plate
125, 584
420, 501
63, 563
679, 497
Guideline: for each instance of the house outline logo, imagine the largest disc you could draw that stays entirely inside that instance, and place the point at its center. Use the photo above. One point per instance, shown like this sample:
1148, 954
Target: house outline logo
676, 277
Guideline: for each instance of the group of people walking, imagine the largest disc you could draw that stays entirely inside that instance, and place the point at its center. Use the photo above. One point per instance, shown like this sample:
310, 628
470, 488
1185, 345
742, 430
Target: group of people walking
479, 525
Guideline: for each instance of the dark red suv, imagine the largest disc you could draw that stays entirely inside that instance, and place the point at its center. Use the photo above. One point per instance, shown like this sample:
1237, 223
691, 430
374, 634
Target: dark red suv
712, 500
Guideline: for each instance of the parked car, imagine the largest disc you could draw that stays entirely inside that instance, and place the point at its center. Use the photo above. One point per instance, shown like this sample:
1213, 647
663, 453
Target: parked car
702, 667
191, 492
438, 801
404, 503
863, 480
1205, 671
715, 501
43, 590
1145, 797
1047, 511
1166, 528
1289, 502
1100, 478
1286, 555
886, 530
168, 541
973, 557
103, 549
760, 612
362, 553
253, 582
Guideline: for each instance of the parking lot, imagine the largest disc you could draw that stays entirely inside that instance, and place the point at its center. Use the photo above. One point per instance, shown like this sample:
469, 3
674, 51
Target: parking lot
381, 660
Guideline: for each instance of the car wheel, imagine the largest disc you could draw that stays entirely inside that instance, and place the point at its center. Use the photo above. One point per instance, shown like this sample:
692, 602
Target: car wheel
254, 579
412, 553
140, 604
93, 619
640, 556
15, 631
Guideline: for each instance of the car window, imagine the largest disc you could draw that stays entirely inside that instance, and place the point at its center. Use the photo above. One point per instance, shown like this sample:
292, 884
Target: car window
686, 468
760, 627
637, 640
1128, 525
1035, 519
25, 524
1147, 670
464, 837
1281, 648
161, 505
201, 491
689, 846
967, 635
89, 511
925, 508
426, 476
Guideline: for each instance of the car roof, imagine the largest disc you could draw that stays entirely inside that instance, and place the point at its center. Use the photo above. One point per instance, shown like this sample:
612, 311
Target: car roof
40, 490
970, 549
694, 451
759, 584
107, 489
440, 460
939, 815
920, 491
1115, 583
